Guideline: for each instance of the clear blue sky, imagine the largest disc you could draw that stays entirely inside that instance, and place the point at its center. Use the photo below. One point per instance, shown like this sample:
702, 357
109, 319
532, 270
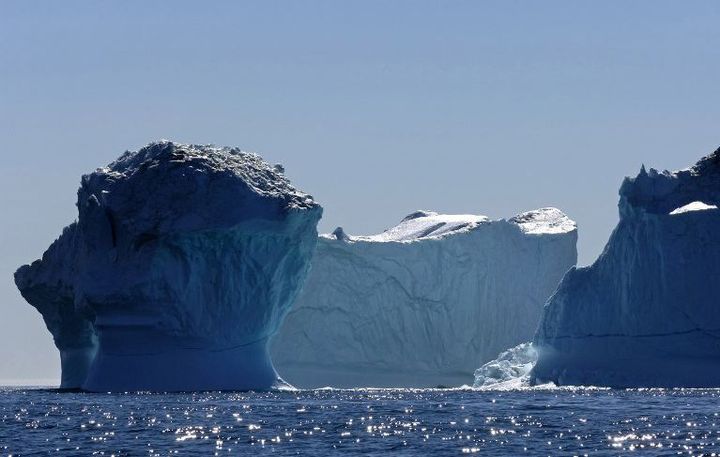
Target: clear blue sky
377, 108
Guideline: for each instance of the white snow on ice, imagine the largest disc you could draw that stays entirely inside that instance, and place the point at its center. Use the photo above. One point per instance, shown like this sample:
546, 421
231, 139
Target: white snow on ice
544, 221
425, 224
694, 206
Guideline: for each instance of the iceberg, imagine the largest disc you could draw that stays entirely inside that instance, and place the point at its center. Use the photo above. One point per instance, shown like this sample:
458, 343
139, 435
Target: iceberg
182, 264
646, 313
425, 302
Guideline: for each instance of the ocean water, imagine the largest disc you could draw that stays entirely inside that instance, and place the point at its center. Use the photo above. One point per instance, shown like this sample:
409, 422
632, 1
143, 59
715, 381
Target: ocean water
36, 421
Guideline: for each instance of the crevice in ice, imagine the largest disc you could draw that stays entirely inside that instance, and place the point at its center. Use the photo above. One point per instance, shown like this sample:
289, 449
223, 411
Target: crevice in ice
640, 335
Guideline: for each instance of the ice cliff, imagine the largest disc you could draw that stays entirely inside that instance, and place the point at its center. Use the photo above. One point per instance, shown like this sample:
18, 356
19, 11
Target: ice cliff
182, 264
425, 302
647, 312
47, 284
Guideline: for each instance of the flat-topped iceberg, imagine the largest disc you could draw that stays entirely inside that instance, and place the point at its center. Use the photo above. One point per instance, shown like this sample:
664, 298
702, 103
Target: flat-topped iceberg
425, 302
182, 264
646, 313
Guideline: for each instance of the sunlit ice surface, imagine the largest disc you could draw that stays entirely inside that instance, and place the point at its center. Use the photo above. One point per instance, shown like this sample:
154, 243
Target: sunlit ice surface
527, 421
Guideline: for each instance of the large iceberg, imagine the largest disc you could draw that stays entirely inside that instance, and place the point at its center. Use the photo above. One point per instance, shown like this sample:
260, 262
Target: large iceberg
425, 302
647, 312
182, 264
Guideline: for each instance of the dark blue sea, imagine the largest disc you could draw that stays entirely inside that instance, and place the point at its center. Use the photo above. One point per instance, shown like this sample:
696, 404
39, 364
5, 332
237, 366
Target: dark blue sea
36, 421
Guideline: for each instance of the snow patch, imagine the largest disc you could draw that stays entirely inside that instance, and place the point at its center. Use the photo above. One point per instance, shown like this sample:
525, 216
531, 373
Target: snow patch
426, 224
694, 206
544, 221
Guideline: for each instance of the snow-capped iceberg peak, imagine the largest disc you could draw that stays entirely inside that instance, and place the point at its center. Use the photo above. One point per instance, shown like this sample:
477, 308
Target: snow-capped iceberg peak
426, 224
544, 221
186, 260
425, 302
646, 312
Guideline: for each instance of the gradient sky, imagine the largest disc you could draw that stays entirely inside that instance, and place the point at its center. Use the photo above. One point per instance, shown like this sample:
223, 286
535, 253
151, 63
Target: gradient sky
376, 108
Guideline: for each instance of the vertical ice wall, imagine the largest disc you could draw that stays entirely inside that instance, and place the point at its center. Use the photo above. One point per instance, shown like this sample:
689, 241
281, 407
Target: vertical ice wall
424, 303
48, 285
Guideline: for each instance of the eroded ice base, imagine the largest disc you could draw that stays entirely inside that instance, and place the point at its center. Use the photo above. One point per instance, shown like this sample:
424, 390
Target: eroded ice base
75, 363
142, 360
662, 360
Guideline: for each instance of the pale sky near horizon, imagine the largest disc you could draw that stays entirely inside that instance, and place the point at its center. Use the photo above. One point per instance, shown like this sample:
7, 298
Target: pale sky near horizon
376, 108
